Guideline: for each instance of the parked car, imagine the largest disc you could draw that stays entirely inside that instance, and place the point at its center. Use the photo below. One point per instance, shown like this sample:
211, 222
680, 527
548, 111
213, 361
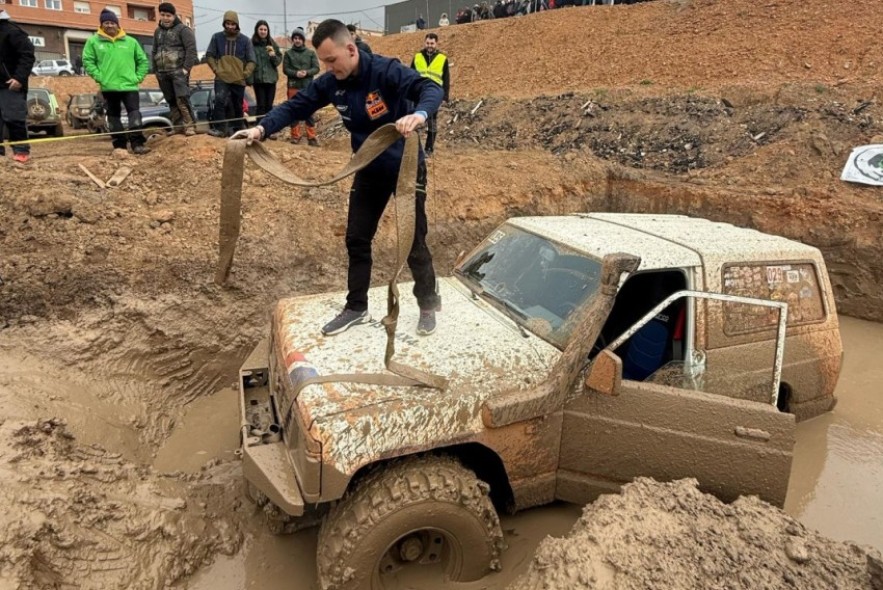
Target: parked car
53, 67
43, 112
79, 106
156, 114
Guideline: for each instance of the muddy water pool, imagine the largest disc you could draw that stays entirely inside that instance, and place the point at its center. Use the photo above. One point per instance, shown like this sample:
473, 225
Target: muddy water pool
836, 482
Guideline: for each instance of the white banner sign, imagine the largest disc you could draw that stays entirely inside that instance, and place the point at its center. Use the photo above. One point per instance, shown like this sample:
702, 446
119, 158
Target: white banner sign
865, 165
38, 41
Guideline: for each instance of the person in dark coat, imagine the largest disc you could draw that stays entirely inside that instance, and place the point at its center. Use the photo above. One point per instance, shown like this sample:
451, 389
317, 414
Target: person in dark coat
174, 55
368, 91
360, 44
16, 62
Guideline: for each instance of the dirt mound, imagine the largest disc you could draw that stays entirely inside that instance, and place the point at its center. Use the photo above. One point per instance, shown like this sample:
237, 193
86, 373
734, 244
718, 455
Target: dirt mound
676, 44
671, 535
74, 513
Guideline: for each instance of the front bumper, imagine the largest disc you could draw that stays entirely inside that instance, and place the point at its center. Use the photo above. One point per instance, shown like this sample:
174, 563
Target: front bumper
265, 460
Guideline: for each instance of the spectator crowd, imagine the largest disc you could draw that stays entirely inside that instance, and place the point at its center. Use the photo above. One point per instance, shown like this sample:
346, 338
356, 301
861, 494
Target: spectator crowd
506, 8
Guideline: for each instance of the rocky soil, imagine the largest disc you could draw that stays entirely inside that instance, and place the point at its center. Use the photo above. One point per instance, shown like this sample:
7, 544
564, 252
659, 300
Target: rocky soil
110, 325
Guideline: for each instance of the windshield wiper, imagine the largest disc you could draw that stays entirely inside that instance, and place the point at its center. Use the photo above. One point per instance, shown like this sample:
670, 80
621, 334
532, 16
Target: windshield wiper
510, 310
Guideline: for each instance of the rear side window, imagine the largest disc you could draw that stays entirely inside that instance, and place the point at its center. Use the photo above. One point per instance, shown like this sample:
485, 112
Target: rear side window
796, 284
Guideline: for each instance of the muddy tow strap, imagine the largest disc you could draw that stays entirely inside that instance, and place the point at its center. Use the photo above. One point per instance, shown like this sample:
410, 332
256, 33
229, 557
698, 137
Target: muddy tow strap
374, 145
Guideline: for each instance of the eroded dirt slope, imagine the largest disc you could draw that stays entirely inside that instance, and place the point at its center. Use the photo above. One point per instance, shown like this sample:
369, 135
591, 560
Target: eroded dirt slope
671, 535
109, 320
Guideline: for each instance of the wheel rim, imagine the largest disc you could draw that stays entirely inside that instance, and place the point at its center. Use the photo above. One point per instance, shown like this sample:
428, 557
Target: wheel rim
424, 549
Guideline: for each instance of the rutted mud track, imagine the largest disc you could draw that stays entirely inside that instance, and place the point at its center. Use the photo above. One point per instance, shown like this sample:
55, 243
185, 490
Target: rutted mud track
112, 332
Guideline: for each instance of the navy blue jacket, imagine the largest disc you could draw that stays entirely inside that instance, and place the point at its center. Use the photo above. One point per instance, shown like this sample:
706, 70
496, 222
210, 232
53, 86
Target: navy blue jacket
382, 92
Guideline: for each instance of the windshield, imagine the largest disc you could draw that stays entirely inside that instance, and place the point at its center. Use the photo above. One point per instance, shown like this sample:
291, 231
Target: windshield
538, 283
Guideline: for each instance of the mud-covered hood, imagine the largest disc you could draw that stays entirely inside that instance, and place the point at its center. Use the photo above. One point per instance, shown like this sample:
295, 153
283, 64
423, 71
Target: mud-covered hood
480, 351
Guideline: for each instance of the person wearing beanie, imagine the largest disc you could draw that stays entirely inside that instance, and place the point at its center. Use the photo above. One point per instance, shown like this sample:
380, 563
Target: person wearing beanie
174, 55
16, 62
369, 91
230, 55
301, 65
268, 56
108, 16
118, 64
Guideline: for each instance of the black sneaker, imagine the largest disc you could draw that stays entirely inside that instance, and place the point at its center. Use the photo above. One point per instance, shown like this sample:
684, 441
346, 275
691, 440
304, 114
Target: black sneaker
344, 320
313, 142
426, 323
217, 133
140, 150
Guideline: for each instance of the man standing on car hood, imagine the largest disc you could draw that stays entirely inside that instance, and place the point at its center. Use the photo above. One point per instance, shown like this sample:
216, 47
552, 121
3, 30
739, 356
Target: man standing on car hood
368, 91
174, 55
117, 62
16, 61
230, 55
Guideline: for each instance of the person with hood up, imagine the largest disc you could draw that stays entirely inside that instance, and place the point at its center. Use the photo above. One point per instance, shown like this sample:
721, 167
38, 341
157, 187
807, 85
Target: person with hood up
301, 65
443, 20
230, 55
118, 64
268, 56
174, 55
16, 61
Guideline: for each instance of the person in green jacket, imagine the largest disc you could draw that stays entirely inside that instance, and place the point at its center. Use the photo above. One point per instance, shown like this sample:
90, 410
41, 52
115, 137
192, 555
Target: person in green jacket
118, 64
300, 65
267, 59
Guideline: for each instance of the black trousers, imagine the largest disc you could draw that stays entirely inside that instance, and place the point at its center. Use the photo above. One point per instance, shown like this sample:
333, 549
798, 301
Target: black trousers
431, 130
264, 94
232, 95
115, 101
13, 117
368, 198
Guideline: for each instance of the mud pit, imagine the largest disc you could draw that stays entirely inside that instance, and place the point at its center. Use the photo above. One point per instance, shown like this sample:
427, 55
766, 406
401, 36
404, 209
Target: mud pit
112, 332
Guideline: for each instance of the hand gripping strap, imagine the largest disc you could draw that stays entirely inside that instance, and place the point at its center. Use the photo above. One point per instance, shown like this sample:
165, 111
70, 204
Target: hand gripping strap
374, 145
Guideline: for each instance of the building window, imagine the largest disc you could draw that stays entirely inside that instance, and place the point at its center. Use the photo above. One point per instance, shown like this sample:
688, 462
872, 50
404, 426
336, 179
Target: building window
31, 3
82, 7
115, 9
140, 14
53, 4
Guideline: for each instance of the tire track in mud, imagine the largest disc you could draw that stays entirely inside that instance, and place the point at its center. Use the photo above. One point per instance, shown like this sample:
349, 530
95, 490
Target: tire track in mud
83, 516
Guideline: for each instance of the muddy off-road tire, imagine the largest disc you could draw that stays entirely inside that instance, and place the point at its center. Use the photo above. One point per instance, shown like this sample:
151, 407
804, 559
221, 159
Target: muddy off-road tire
415, 512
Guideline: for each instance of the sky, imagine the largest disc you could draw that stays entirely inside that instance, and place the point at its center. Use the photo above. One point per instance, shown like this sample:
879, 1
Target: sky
208, 14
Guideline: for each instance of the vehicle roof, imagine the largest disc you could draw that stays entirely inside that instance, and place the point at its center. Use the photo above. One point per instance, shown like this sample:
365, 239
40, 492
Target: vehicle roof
664, 241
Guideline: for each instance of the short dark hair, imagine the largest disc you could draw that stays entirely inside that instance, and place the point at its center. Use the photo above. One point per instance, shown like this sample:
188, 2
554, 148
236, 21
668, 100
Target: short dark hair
331, 29
432, 36
351, 28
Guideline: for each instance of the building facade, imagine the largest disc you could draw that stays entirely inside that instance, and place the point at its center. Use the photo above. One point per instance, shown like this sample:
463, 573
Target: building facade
59, 28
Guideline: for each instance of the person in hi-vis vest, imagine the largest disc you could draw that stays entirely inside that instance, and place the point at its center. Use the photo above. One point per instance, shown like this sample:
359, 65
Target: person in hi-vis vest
433, 64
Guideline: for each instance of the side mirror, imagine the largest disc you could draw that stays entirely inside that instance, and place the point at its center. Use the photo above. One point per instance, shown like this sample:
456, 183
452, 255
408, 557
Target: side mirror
605, 375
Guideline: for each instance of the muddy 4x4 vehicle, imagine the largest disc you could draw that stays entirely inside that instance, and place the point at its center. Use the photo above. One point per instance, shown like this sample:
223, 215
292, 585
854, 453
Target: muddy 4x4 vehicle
581, 351
43, 112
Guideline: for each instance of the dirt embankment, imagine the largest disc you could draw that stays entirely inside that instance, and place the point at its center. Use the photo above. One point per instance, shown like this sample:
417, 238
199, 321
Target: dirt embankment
108, 317
671, 535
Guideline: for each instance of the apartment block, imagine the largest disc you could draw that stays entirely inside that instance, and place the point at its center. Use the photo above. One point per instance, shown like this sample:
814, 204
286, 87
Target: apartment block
59, 28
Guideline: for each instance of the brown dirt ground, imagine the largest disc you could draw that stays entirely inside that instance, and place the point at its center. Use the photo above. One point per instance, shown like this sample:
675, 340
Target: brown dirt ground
729, 110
